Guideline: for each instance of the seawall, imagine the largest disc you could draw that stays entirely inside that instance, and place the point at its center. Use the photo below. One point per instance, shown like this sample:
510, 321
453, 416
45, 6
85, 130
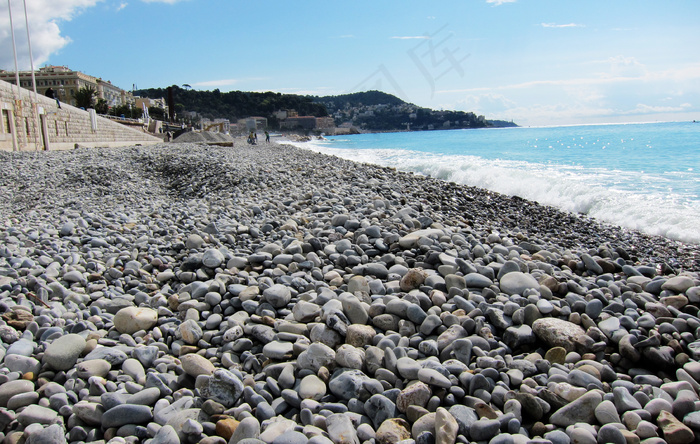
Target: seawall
31, 123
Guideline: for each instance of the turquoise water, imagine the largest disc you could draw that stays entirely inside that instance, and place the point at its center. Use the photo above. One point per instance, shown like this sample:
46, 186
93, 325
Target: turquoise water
641, 176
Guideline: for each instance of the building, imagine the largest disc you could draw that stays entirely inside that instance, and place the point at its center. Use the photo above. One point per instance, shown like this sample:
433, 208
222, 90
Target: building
218, 125
304, 122
145, 102
325, 122
252, 123
65, 83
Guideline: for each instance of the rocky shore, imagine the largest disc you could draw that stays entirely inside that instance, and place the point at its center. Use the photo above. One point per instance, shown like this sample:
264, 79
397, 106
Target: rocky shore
186, 293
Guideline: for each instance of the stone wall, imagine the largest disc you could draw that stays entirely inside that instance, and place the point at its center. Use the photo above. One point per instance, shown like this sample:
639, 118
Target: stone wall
30, 124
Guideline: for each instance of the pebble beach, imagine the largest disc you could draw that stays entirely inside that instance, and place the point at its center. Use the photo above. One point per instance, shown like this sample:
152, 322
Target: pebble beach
186, 293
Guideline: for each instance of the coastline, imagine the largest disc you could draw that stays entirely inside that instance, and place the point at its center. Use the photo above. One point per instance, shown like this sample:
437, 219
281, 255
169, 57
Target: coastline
288, 291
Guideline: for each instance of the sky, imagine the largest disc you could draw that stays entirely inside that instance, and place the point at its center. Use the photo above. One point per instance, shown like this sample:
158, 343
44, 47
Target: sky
536, 62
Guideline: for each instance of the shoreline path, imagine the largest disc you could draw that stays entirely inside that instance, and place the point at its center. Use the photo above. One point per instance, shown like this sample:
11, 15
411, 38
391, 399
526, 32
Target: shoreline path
192, 293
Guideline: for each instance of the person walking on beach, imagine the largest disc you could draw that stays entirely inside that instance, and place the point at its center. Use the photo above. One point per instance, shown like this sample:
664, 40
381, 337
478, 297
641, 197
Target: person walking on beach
267, 137
51, 95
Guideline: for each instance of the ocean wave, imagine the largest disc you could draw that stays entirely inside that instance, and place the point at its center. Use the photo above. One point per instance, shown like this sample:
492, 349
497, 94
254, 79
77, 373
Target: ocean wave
612, 196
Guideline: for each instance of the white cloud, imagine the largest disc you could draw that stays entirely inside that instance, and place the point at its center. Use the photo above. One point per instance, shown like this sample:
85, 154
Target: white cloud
642, 108
222, 82
44, 17
412, 37
122, 6
567, 25
621, 66
499, 2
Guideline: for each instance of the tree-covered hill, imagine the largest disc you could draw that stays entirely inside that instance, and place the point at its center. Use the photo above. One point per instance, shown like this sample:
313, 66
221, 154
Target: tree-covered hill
235, 105
366, 98
379, 111
369, 110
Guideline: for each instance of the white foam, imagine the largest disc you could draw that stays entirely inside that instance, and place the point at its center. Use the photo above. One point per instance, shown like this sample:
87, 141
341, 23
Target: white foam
606, 195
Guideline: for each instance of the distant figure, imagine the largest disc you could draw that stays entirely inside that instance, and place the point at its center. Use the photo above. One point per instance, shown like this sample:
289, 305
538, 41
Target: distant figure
256, 137
267, 137
51, 95
252, 138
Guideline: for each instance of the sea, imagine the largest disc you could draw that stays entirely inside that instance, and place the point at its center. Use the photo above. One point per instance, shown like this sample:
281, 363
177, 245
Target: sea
643, 176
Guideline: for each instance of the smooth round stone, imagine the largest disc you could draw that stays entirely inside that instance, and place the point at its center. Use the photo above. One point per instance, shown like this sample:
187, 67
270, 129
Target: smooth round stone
557, 437
557, 332
646, 429
126, 414
359, 335
580, 410
346, 384
516, 337
430, 323
678, 284
408, 368
22, 364
277, 295
624, 401
279, 350
692, 420
358, 283
249, 427
94, 367
196, 365
353, 309
36, 414
594, 308
350, 357
212, 258
129, 320
63, 353
556, 355
145, 355
517, 282
316, 356
89, 412
544, 306
657, 405
415, 394
484, 429
311, 387
166, 435
304, 311
606, 413
446, 427
213, 321
433, 377
340, 428
291, 437
581, 435
476, 280
22, 400
611, 434
190, 331
53, 434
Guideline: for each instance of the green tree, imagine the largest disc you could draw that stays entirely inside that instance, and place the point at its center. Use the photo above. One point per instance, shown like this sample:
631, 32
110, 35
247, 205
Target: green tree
85, 97
156, 113
101, 106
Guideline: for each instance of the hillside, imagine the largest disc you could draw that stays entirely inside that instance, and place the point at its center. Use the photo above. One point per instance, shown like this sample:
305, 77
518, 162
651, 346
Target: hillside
235, 105
368, 111
379, 111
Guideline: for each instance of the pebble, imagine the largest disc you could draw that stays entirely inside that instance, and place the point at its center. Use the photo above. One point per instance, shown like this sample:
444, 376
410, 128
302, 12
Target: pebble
63, 352
278, 295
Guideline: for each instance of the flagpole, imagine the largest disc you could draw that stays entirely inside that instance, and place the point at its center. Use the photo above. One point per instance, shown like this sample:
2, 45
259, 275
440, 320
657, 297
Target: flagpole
31, 55
14, 49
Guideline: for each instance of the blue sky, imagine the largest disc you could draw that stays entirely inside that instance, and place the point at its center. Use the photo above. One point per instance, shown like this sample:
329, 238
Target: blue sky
537, 62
